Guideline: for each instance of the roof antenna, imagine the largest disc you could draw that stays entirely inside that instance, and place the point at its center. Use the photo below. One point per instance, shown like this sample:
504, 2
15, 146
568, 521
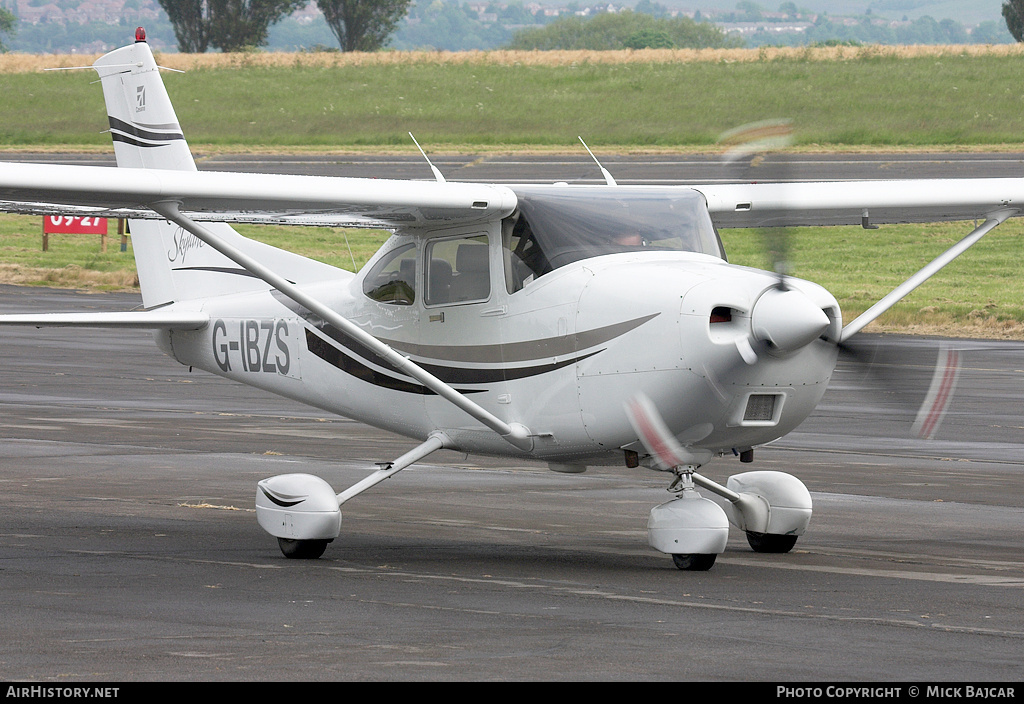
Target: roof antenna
437, 174
604, 172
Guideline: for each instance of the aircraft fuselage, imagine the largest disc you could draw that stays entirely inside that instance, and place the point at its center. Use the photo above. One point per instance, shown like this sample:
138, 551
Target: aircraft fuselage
562, 355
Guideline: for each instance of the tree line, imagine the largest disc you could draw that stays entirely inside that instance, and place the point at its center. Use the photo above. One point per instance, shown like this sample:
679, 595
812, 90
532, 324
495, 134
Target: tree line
368, 25
923, 30
624, 30
236, 25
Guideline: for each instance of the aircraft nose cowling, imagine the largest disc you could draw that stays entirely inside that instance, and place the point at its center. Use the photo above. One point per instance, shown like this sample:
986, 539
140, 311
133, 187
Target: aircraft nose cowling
787, 319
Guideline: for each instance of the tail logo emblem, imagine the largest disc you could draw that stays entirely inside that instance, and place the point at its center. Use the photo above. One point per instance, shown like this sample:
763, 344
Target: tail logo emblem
183, 242
140, 98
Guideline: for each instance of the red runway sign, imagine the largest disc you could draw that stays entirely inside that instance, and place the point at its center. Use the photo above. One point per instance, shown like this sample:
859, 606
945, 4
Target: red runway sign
74, 225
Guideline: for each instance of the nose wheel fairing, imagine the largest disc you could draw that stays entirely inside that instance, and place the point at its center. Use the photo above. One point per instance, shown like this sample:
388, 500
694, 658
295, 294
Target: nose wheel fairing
772, 508
691, 528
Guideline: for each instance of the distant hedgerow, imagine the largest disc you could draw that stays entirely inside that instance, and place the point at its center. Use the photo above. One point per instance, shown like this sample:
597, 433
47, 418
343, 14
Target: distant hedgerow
623, 30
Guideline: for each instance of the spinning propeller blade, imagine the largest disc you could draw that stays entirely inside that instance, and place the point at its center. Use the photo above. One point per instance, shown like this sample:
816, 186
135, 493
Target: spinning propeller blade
654, 434
940, 393
915, 377
753, 155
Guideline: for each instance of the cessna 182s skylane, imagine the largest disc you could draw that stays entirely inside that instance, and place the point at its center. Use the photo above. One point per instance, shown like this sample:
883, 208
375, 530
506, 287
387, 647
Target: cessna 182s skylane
576, 325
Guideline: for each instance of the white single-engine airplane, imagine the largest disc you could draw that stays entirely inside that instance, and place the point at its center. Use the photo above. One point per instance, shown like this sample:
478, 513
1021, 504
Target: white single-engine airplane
577, 325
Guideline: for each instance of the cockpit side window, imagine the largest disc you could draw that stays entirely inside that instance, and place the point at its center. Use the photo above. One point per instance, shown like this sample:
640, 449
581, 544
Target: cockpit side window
524, 259
393, 278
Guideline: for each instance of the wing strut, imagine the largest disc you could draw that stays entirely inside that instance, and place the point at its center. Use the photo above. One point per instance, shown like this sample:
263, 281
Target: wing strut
516, 433
992, 220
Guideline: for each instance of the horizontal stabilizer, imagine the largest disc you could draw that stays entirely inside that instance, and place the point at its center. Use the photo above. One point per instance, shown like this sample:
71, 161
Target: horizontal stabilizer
152, 320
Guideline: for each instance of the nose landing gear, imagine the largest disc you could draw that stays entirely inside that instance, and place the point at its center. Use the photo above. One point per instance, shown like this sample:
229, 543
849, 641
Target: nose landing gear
692, 529
772, 508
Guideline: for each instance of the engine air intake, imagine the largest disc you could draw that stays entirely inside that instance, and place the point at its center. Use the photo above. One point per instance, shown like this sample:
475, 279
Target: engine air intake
760, 407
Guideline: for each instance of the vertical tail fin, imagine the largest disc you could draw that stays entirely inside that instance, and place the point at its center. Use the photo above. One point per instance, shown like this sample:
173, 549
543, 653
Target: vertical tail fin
143, 125
172, 264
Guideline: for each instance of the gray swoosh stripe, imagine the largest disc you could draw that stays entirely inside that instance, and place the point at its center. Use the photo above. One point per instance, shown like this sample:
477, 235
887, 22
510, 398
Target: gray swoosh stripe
155, 126
525, 351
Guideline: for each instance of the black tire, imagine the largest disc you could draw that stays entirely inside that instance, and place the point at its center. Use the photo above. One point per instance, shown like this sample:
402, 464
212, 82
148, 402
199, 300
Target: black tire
694, 563
771, 542
302, 549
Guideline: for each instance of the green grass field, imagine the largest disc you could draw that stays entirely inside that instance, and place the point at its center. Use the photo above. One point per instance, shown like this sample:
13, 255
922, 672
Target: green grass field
980, 294
875, 100
78, 260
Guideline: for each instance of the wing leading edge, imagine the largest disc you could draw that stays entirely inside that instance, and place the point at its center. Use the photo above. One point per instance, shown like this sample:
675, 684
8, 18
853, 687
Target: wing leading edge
860, 202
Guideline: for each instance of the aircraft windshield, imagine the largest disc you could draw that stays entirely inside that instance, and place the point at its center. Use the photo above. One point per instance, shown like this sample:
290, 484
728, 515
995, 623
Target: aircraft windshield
558, 226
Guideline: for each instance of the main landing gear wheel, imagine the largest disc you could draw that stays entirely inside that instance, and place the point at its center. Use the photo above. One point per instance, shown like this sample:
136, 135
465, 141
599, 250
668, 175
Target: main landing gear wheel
694, 563
770, 542
302, 549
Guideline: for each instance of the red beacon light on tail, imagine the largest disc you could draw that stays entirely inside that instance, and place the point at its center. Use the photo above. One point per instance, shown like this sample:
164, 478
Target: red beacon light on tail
140, 34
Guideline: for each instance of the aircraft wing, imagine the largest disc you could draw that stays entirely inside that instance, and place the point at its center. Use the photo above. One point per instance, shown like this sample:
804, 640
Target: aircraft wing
392, 204
227, 196
859, 202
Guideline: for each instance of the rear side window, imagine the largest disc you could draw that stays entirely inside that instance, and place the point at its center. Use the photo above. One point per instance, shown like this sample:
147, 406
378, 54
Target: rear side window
393, 279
